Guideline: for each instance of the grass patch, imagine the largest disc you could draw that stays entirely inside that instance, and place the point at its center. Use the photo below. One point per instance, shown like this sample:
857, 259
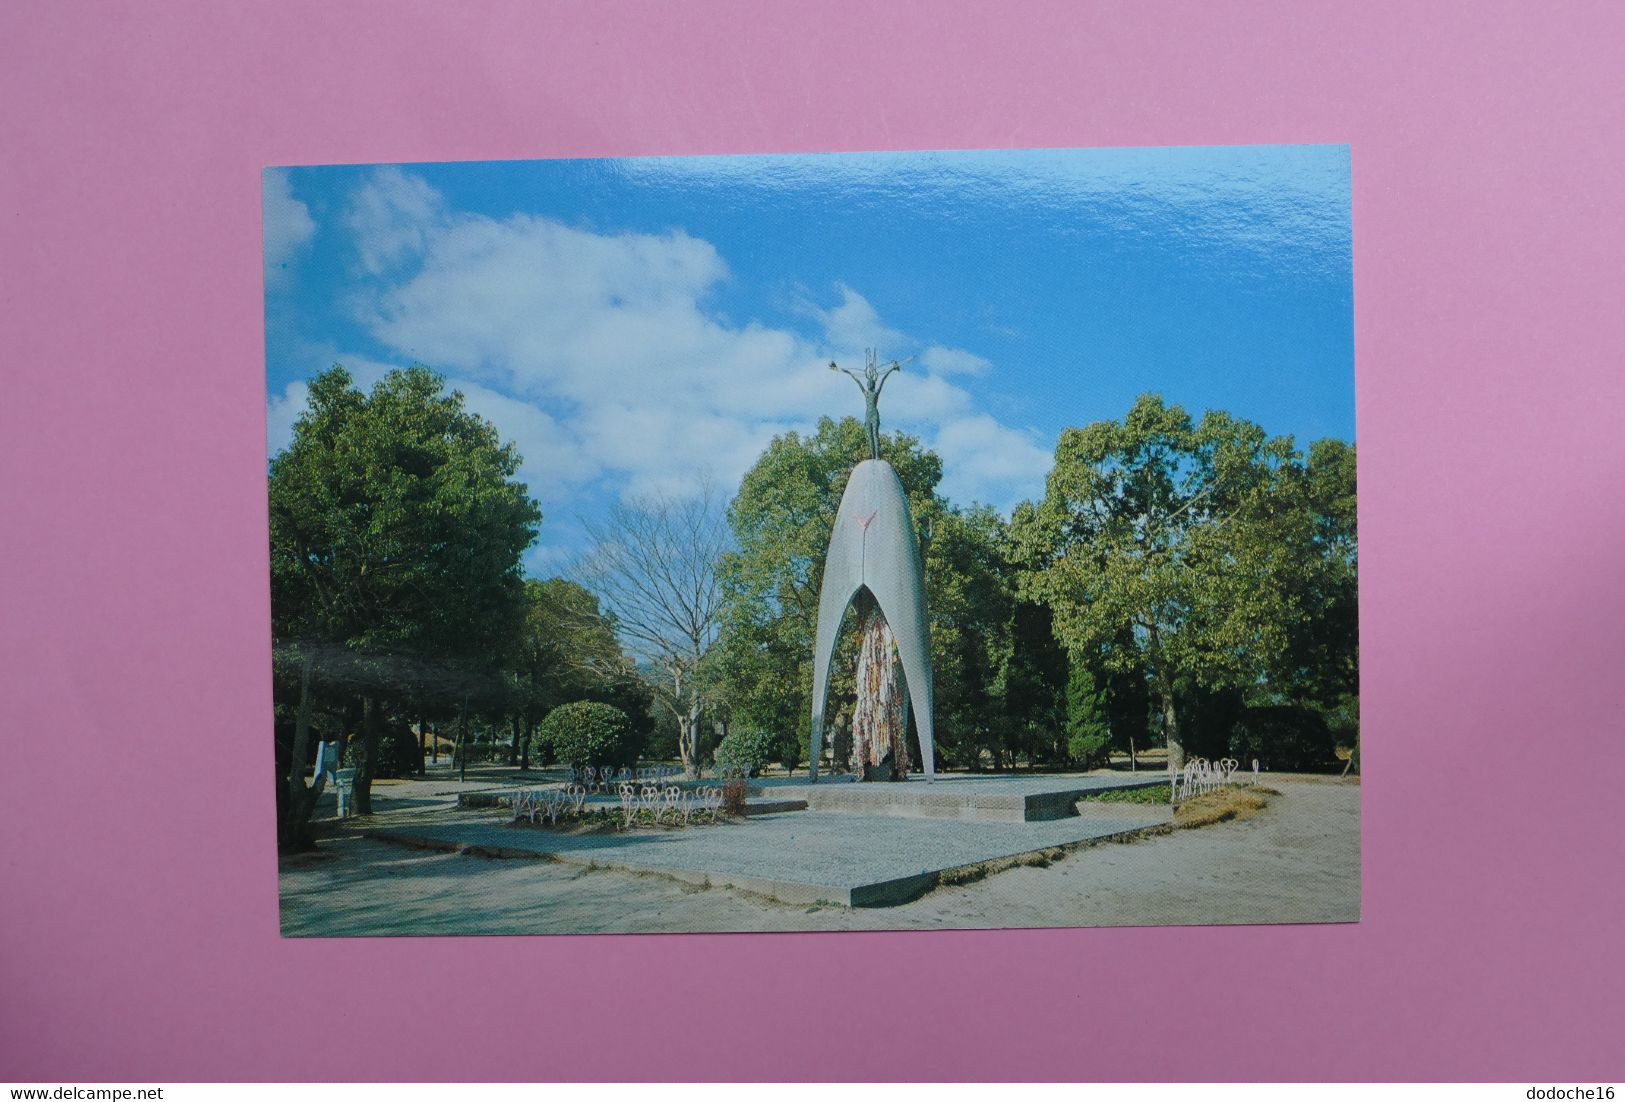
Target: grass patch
1220, 806
1151, 794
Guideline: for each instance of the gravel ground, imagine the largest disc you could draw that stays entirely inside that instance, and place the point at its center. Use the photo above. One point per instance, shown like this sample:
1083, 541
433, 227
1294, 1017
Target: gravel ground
1297, 861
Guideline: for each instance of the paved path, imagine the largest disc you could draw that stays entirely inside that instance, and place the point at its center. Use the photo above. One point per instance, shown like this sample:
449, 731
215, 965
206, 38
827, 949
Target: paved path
798, 857
987, 784
1298, 861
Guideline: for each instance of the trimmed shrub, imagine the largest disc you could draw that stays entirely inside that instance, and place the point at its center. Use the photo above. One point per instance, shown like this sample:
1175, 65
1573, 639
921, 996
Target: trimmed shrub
750, 747
588, 733
497, 752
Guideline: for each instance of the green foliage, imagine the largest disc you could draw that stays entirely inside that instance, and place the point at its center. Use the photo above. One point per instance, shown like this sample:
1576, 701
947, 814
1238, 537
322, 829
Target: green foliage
1320, 664
566, 649
1190, 542
1128, 701
396, 526
396, 534
1033, 686
794, 744
661, 740
589, 733
748, 746
1088, 724
761, 670
1283, 737
989, 696
398, 754
1211, 716
1149, 794
540, 753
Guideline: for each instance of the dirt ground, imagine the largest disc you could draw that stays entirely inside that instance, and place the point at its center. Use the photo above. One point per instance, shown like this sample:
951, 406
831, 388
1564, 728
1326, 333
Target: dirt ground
1296, 861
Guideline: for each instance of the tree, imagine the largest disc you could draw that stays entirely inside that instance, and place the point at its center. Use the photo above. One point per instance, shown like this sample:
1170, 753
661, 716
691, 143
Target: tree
1185, 540
396, 532
1088, 716
1321, 664
981, 677
654, 564
567, 650
1128, 704
1032, 686
748, 747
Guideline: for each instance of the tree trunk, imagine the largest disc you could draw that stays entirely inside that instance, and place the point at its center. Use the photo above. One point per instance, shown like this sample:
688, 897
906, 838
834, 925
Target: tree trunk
685, 741
524, 743
1163, 682
694, 727
1170, 720
688, 730
513, 751
462, 742
362, 796
423, 738
301, 800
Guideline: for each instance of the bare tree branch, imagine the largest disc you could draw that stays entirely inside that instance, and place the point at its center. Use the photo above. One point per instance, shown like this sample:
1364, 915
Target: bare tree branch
654, 566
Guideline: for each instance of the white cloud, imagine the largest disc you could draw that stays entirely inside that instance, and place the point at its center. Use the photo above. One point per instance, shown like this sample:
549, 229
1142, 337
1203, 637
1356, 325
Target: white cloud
554, 462
953, 361
914, 398
600, 356
287, 225
281, 411
389, 215
853, 325
993, 463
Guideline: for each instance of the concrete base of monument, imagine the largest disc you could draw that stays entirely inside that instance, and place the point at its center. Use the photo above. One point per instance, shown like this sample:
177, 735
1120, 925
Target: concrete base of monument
801, 857
983, 797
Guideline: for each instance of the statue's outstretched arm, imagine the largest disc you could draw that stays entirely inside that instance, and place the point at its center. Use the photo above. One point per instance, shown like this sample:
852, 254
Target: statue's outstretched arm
862, 388
882, 385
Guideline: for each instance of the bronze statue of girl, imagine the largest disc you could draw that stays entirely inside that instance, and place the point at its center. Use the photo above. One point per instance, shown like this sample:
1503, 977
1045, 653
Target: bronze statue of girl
871, 384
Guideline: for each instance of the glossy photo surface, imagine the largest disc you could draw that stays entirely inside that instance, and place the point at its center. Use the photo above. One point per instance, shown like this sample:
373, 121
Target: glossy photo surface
576, 557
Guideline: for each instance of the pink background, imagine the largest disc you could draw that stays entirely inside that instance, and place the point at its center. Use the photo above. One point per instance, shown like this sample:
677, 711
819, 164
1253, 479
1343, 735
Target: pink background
138, 910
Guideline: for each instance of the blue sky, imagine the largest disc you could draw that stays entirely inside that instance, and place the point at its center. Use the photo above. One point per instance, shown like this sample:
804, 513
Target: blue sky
636, 324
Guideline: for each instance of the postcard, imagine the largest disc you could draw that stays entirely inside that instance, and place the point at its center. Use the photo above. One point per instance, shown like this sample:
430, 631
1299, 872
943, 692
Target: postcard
906, 540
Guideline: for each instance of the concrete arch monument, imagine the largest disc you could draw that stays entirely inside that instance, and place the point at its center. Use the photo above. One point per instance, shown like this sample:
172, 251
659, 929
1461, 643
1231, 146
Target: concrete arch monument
874, 548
